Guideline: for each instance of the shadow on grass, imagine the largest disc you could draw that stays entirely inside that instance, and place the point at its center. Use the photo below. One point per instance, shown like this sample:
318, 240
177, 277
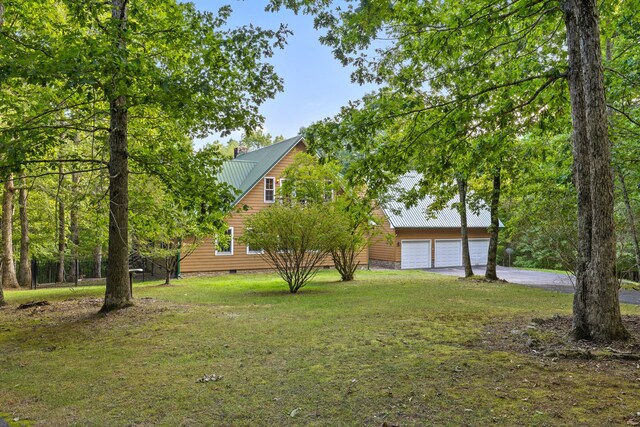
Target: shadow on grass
80, 315
285, 292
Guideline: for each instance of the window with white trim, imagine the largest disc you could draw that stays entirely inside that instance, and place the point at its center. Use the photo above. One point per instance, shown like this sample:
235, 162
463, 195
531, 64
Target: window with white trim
251, 251
225, 246
282, 197
328, 190
269, 190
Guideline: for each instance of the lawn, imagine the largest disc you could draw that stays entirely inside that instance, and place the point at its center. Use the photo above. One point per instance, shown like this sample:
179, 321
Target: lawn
392, 348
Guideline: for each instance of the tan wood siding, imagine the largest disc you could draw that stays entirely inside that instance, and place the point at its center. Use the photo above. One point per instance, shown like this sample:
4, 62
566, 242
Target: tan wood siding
204, 259
380, 248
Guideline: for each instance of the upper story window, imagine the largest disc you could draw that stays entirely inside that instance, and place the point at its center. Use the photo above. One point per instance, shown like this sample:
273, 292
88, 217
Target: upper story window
225, 246
328, 191
269, 190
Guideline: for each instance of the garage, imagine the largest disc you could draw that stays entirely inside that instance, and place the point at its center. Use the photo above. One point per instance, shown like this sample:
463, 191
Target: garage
478, 251
415, 254
448, 253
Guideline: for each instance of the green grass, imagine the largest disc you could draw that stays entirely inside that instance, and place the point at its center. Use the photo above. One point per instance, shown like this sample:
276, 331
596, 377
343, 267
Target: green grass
405, 348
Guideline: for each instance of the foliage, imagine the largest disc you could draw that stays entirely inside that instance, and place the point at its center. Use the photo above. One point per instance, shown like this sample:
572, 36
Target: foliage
308, 181
152, 72
295, 239
165, 230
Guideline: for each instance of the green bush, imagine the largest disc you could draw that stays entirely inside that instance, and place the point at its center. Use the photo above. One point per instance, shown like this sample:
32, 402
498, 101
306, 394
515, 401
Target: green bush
295, 239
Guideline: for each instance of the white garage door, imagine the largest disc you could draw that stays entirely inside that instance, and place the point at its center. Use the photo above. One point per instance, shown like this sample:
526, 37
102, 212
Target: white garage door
415, 254
448, 253
478, 250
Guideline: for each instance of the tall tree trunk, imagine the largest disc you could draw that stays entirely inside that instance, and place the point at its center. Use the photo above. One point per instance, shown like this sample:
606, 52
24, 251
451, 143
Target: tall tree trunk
61, 228
97, 260
9, 279
118, 294
596, 308
74, 229
630, 219
24, 270
464, 232
492, 256
2, 301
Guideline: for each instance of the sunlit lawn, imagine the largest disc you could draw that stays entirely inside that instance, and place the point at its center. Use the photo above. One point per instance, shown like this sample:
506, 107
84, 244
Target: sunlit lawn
401, 348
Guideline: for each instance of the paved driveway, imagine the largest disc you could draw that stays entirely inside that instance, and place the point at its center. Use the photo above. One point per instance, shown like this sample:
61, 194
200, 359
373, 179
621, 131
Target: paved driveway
539, 279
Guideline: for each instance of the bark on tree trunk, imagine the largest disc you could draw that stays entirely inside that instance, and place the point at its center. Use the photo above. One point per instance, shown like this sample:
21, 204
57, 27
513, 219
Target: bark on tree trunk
168, 269
74, 229
2, 301
24, 270
464, 232
492, 256
9, 279
118, 294
97, 260
596, 308
631, 219
61, 228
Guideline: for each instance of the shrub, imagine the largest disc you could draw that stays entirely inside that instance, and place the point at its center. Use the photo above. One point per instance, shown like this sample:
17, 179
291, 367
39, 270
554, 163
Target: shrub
294, 239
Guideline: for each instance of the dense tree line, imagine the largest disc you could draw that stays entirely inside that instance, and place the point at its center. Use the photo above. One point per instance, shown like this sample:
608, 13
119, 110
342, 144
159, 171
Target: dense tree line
104, 94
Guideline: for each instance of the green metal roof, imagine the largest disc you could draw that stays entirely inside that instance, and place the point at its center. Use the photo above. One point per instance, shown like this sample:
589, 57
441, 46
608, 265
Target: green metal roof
246, 170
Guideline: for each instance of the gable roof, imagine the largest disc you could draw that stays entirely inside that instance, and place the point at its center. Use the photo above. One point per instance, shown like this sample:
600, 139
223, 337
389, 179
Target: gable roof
420, 216
246, 170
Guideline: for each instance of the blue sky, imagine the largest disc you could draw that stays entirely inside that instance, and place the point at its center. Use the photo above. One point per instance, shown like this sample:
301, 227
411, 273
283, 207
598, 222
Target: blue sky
315, 84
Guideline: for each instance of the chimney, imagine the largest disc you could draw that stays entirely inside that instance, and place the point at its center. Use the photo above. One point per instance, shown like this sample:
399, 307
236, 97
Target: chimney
240, 150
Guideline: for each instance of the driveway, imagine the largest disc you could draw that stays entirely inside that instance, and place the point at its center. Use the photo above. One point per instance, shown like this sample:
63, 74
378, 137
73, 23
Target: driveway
539, 279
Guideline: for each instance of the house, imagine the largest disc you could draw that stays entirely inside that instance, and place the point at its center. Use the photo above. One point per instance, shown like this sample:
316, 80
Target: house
425, 241
256, 175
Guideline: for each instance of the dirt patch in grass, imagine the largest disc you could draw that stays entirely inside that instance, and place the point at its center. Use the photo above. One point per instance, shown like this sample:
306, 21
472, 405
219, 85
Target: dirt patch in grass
548, 343
86, 310
550, 338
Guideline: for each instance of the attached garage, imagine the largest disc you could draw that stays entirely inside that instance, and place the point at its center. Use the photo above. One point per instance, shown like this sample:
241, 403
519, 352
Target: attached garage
478, 251
448, 253
422, 237
415, 254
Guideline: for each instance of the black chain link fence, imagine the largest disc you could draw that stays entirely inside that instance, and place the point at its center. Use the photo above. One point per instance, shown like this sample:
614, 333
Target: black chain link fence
87, 272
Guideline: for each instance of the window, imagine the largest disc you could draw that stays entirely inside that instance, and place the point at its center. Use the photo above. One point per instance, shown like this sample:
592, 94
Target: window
282, 196
251, 251
328, 191
269, 190
225, 247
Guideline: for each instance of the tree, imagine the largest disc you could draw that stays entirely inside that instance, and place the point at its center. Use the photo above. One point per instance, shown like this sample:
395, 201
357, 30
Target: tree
24, 270
9, 279
505, 65
596, 308
150, 62
295, 239
309, 181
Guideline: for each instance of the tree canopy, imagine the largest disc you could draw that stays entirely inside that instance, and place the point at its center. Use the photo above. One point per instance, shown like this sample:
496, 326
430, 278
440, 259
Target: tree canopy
141, 78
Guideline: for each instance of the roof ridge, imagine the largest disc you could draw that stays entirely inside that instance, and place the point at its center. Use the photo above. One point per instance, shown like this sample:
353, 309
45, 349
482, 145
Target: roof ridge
240, 160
